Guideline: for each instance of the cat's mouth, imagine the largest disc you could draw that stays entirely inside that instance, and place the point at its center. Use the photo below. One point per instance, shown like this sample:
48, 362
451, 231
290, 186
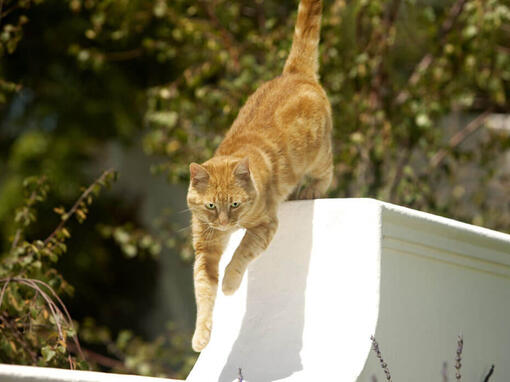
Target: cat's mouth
223, 227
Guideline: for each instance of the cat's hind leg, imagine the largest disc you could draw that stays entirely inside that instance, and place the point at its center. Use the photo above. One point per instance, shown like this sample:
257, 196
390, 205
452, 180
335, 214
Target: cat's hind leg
319, 178
294, 195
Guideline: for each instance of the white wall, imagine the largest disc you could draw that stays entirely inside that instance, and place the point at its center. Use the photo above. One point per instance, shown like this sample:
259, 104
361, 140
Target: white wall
339, 270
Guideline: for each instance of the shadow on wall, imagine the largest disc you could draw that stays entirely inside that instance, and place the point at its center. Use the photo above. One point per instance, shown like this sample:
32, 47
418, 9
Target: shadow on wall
271, 336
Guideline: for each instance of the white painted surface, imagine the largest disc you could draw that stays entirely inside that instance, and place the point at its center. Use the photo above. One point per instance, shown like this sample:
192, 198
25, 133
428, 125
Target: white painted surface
441, 278
339, 270
10, 373
308, 301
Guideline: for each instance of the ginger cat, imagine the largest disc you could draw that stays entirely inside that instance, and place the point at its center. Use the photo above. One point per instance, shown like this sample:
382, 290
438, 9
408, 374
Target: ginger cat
281, 135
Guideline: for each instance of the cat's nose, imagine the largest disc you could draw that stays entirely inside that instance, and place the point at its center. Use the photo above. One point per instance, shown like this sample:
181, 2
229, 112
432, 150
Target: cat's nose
223, 218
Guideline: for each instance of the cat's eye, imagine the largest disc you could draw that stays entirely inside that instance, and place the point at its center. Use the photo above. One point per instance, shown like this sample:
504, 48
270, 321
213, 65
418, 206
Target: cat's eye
210, 206
235, 204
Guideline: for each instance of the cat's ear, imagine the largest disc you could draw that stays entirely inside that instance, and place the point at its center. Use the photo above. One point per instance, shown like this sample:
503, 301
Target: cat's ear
242, 170
198, 175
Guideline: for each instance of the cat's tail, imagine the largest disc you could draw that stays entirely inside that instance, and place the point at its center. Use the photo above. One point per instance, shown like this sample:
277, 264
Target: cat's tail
304, 54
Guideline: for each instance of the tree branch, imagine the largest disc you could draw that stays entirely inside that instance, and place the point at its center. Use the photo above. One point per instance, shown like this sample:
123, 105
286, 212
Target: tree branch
428, 59
123, 56
98, 358
5, 319
226, 36
377, 47
73, 209
399, 172
383, 44
459, 137
31, 200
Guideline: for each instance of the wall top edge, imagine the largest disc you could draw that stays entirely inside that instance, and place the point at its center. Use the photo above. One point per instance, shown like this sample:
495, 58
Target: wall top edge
419, 220
14, 373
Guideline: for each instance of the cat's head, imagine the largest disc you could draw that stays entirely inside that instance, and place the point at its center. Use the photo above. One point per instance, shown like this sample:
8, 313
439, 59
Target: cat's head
221, 191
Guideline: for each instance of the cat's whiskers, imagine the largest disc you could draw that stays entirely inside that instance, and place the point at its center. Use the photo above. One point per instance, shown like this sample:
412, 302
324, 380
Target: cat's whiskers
209, 232
184, 228
184, 210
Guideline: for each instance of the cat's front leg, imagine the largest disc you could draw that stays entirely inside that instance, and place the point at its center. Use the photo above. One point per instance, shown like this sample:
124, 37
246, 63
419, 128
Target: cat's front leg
209, 245
255, 241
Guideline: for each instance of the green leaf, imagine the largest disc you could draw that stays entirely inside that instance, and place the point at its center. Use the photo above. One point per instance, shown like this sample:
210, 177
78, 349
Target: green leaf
48, 353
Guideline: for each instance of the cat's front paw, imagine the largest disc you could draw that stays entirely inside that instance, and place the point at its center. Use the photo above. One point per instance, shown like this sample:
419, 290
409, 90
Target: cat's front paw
231, 280
200, 339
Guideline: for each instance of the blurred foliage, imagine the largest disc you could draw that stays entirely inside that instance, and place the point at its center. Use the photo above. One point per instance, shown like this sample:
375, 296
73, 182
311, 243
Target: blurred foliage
413, 85
35, 324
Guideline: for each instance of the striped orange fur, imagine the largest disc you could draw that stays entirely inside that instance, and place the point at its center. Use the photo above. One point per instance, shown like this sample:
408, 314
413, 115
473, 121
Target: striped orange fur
280, 136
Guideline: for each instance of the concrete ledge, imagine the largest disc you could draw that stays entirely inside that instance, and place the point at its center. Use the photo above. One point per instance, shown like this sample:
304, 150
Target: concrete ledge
308, 301
11, 373
339, 270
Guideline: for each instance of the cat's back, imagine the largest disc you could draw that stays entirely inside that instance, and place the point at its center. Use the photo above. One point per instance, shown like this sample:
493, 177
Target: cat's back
275, 107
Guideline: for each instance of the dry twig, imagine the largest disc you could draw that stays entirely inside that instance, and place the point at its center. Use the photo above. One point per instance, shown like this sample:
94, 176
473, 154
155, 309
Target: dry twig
489, 374
458, 358
100, 359
60, 314
459, 137
377, 351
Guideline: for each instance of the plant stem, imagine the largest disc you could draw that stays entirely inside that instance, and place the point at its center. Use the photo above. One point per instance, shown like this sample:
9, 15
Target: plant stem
73, 209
